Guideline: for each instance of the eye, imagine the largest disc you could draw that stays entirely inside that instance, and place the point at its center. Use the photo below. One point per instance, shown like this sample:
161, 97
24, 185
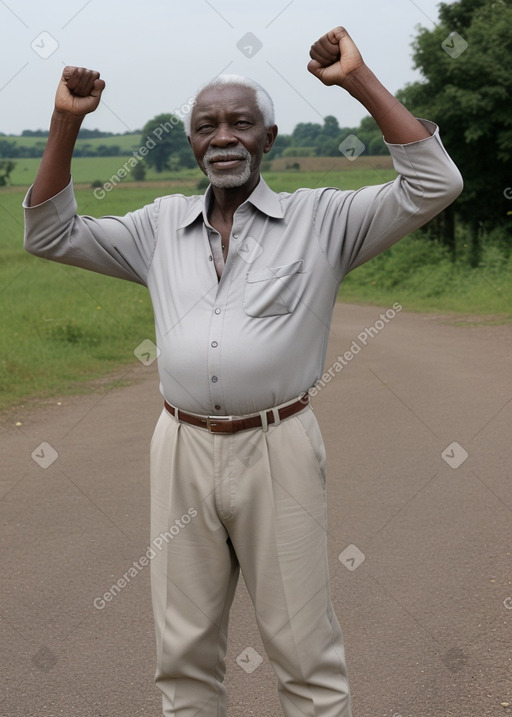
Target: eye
243, 123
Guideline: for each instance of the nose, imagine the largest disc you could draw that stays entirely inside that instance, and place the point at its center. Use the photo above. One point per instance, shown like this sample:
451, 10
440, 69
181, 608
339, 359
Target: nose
224, 136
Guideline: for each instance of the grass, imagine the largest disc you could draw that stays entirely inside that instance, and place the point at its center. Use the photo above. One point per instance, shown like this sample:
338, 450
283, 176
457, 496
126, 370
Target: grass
418, 274
126, 142
88, 169
62, 327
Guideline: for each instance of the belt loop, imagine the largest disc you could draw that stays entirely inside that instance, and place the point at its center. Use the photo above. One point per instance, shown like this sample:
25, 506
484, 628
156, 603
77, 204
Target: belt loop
264, 421
277, 417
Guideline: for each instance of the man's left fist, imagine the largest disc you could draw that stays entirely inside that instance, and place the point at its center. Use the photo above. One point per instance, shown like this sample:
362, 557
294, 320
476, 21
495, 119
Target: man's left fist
334, 57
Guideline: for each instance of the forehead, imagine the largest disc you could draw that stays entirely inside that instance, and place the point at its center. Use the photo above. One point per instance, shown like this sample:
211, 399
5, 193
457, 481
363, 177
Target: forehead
226, 98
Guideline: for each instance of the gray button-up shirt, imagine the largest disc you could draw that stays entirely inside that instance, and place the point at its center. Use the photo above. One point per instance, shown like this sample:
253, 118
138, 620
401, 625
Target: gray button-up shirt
258, 336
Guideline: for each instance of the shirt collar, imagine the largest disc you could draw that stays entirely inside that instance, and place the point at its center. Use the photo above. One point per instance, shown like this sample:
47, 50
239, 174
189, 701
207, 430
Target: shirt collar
262, 198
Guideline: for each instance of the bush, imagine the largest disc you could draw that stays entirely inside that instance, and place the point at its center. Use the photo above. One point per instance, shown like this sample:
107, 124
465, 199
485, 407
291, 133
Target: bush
420, 274
139, 172
406, 262
299, 152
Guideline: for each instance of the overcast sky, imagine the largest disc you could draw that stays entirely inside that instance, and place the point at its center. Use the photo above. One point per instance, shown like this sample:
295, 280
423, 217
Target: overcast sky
153, 55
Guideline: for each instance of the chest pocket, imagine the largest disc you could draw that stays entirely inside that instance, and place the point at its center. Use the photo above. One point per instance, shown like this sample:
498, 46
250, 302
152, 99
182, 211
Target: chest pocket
274, 291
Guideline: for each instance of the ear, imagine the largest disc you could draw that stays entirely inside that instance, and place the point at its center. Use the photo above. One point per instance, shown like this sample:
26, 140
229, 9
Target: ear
271, 134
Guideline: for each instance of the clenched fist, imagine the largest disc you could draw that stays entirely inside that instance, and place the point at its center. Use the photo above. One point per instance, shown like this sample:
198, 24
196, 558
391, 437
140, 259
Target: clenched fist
334, 57
79, 91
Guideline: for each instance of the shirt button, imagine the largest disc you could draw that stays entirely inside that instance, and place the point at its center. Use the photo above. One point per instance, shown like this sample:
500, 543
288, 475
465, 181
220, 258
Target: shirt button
210, 257
217, 407
235, 236
214, 379
214, 344
217, 311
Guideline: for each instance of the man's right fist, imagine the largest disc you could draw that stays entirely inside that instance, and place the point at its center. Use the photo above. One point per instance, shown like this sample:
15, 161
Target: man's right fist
79, 91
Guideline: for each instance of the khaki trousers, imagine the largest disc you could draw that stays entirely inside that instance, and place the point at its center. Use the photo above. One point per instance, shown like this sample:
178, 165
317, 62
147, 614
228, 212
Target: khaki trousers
255, 501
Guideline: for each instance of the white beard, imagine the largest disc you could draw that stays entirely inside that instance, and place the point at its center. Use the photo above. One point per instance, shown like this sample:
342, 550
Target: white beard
223, 178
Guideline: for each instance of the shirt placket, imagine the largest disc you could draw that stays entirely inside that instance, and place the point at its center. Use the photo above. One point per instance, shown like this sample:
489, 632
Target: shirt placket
218, 319
217, 322
217, 255
215, 354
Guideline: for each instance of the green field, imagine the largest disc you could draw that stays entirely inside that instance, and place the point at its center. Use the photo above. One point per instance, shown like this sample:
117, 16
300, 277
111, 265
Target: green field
420, 276
63, 326
126, 142
88, 169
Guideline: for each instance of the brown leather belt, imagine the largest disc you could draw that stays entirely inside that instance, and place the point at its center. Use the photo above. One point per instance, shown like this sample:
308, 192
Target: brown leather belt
226, 424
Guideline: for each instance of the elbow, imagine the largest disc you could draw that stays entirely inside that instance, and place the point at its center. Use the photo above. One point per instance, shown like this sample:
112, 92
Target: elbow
31, 246
448, 187
455, 186
42, 242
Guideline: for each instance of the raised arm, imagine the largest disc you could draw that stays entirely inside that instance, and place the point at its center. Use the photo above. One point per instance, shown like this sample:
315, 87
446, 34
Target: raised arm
78, 93
116, 246
336, 60
361, 224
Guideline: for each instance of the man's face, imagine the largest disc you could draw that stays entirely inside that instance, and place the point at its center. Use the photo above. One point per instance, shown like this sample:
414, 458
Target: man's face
228, 135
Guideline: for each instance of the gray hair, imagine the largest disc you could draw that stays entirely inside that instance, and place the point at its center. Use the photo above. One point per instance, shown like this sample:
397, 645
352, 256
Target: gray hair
263, 99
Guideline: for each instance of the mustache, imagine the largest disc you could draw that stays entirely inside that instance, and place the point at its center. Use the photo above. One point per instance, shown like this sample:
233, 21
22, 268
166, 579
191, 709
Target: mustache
214, 155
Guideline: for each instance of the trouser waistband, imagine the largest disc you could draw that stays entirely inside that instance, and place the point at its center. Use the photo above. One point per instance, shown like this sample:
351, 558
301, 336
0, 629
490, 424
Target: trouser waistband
228, 424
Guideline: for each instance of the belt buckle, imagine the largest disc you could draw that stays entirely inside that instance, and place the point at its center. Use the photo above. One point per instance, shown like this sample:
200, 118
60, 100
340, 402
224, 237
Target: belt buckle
212, 421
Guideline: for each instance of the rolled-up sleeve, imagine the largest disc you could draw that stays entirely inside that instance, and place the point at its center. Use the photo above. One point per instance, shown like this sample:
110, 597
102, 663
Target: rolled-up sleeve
121, 247
353, 227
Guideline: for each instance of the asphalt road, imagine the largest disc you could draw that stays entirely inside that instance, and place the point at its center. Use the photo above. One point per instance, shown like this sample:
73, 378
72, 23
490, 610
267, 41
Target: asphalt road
417, 422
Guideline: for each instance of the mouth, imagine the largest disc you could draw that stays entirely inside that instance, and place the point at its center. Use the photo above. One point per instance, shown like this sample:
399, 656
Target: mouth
225, 162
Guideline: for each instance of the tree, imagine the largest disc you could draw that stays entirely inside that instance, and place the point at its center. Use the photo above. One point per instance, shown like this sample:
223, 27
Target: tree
6, 167
8, 149
282, 142
165, 138
370, 134
329, 138
331, 127
306, 134
467, 90
139, 172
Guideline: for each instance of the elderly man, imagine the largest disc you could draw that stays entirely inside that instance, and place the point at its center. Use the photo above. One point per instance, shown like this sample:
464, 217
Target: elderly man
243, 283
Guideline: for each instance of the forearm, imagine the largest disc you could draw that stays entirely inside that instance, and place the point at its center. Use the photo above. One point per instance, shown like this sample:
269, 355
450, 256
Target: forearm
397, 124
55, 168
